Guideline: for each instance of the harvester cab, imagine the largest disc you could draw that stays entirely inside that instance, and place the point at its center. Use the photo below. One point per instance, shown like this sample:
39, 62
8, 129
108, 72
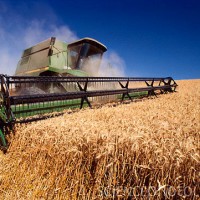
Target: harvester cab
53, 57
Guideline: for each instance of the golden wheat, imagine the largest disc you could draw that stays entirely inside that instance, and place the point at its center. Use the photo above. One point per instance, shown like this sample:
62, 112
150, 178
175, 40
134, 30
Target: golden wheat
109, 152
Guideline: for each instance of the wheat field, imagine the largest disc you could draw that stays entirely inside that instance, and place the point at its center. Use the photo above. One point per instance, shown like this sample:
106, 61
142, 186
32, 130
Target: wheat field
147, 149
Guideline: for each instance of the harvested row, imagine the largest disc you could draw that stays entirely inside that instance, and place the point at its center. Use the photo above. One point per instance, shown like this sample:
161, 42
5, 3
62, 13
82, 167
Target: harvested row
117, 149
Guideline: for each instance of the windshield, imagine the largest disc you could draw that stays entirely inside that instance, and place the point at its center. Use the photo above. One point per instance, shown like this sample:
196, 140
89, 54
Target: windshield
83, 55
73, 56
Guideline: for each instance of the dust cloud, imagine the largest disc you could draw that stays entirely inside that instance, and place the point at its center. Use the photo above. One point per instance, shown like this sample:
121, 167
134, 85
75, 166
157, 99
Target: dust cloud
110, 65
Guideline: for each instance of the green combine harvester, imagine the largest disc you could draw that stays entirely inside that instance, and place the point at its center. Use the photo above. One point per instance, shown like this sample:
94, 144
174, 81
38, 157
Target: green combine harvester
53, 76
56, 58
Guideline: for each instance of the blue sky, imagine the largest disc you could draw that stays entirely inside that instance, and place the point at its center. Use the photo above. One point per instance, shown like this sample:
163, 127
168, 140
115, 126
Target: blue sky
148, 37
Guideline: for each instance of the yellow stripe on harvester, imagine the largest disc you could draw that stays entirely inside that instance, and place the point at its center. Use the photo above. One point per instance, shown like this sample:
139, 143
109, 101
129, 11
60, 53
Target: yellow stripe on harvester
36, 70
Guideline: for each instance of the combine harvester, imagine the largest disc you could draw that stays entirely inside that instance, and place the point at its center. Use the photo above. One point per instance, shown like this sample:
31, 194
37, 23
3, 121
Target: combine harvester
51, 76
